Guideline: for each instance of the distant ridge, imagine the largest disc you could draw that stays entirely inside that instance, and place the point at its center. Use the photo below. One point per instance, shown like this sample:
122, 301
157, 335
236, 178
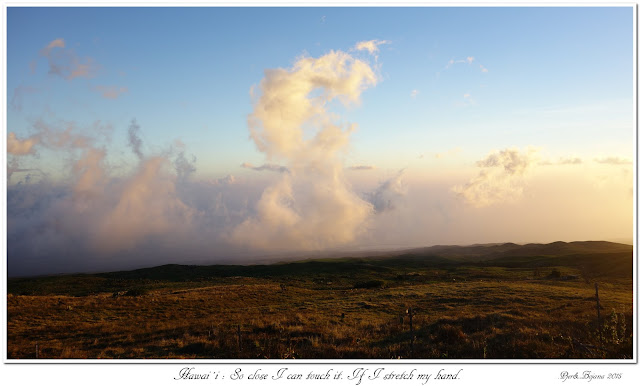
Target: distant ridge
593, 259
501, 253
479, 252
438, 254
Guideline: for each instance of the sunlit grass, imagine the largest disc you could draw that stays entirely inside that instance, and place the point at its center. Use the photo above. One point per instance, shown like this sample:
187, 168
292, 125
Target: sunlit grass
460, 312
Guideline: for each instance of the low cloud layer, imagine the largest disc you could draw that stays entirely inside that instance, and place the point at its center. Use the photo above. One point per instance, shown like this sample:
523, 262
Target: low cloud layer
96, 217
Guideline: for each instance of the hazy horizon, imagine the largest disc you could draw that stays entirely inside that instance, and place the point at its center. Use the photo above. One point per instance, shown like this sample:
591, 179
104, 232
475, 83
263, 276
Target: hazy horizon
287, 257
248, 132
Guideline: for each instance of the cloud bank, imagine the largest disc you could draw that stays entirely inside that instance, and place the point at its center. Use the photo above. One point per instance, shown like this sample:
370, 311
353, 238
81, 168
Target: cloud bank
93, 217
148, 210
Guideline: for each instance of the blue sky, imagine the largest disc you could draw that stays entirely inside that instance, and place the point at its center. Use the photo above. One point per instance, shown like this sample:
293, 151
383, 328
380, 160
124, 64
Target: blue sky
188, 72
477, 118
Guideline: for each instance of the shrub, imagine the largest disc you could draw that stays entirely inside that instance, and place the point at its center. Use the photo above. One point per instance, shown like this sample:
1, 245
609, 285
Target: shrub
370, 284
555, 274
136, 292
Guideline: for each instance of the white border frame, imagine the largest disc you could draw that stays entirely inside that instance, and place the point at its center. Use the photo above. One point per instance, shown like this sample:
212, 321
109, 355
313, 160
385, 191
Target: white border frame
227, 363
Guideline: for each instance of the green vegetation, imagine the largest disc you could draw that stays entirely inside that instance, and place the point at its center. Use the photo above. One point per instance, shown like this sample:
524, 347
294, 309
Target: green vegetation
500, 301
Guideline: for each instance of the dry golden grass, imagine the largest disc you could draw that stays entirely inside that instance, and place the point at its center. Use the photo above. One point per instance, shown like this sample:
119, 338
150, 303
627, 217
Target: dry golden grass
505, 314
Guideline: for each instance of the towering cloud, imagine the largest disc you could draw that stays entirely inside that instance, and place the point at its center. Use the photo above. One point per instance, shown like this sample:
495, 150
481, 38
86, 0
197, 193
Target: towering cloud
500, 180
147, 207
90, 212
90, 174
312, 206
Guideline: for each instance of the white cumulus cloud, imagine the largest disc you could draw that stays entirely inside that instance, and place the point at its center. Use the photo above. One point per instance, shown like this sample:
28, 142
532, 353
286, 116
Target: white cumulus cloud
501, 178
312, 206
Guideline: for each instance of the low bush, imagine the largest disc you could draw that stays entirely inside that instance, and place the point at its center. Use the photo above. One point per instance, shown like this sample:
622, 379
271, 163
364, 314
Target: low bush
136, 292
370, 284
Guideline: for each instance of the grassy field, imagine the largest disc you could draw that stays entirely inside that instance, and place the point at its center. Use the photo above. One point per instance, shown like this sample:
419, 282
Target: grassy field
498, 301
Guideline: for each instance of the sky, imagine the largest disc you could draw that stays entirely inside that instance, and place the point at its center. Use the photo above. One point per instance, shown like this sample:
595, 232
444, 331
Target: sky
144, 136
